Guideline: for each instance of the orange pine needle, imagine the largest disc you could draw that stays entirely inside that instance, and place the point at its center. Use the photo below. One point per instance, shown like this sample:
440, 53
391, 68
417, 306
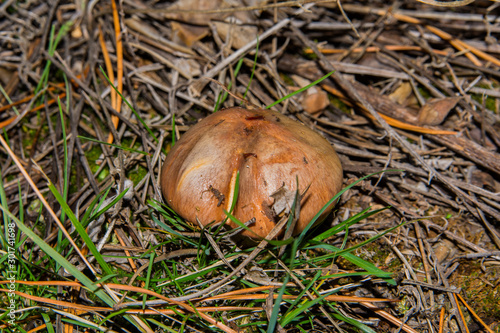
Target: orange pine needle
331, 298
79, 309
119, 66
183, 305
391, 121
389, 317
36, 329
371, 49
7, 122
399, 124
109, 66
480, 53
474, 314
441, 320
52, 101
28, 98
462, 318
24, 100
52, 88
127, 252
458, 44
237, 294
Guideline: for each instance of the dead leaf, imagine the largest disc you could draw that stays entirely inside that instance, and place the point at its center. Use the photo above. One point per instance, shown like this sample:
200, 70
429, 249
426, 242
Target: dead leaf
5, 75
188, 34
483, 180
314, 99
187, 11
441, 163
401, 94
435, 111
190, 66
478, 136
283, 200
443, 249
191, 25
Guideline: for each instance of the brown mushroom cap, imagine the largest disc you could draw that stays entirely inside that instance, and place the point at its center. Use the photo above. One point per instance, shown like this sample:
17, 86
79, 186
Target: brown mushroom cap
269, 150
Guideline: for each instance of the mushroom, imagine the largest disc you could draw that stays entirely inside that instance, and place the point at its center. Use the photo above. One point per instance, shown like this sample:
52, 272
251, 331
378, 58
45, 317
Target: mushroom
270, 151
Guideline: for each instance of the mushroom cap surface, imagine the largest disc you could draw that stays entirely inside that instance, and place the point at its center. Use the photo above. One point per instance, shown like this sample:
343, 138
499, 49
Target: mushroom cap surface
269, 150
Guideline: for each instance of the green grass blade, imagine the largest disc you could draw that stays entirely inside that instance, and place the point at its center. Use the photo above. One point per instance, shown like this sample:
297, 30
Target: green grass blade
370, 240
21, 207
166, 328
353, 322
233, 203
223, 96
85, 218
82, 278
242, 225
6, 220
335, 198
293, 314
276, 307
302, 292
114, 145
383, 275
111, 315
148, 278
172, 231
173, 129
9, 101
300, 90
65, 180
80, 229
130, 106
108, 206
367, 266
53, 42
253, 68
48, 323
106, 278
349, 222
291, 215
236, 192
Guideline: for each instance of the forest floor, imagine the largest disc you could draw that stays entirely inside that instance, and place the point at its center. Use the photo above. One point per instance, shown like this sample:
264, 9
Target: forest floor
413, 89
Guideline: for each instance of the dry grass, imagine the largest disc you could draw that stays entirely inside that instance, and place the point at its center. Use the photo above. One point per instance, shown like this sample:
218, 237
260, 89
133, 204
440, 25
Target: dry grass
415, 88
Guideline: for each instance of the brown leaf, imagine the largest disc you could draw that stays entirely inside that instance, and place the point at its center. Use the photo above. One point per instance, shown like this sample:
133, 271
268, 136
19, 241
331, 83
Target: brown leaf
187, 10
484, 180
193, 25
188, 34
435, 111
283, 200
314, 100
401, 94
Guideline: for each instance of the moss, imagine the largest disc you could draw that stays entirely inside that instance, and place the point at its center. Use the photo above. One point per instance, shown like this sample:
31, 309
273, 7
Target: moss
488, 101
337, 102
309, 55
482, 291
424, 93
403, 306
29, 134
93, 156
287, 79
377, 254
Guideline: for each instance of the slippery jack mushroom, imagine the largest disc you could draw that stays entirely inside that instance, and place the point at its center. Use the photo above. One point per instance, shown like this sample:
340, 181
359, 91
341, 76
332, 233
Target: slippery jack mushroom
269, 150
